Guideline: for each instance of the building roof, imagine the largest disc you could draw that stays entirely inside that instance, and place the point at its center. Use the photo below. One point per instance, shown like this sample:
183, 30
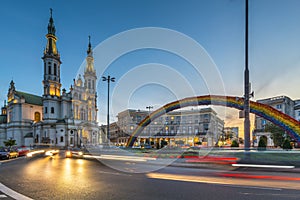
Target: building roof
30, 98
3, 119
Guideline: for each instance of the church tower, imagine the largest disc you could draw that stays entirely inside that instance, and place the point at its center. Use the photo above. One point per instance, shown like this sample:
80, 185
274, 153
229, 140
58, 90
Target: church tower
51, 82
90, 79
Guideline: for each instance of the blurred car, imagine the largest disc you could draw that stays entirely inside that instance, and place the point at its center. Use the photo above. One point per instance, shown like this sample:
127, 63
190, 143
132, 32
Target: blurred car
51, 152
191, 152
23, 151
74, 152
8, 153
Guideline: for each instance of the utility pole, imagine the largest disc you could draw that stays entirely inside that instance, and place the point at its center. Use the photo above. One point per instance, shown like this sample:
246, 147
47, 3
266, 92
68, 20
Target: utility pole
247, 88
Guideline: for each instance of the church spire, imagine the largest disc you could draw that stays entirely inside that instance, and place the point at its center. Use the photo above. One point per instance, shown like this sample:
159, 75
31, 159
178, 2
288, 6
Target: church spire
89, 51
51, 27
90, 58
51, 44
52, 63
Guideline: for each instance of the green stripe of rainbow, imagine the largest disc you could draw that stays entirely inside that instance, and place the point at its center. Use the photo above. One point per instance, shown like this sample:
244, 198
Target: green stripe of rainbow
288, 123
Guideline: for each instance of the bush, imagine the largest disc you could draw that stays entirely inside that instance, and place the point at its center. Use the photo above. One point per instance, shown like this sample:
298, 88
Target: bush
287, 144
235, 144
262, 144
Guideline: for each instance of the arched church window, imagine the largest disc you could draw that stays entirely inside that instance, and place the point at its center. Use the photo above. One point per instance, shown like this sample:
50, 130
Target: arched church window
52, 109
55, 69
49, 69
37, 117
89, 84
93, 84
61, 138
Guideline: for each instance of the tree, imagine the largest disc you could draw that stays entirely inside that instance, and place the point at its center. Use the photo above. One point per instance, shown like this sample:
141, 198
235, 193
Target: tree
10, 143
163, 143
287, 144
262, 144
277, 134
234, 143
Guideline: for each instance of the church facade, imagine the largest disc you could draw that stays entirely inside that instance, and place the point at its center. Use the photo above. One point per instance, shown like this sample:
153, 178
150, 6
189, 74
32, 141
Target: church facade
60, 118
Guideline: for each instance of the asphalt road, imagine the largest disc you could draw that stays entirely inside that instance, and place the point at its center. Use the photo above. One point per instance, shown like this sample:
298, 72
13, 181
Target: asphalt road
64, 178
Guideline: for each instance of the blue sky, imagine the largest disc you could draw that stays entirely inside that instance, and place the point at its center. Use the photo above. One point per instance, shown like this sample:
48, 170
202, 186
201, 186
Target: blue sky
217, 25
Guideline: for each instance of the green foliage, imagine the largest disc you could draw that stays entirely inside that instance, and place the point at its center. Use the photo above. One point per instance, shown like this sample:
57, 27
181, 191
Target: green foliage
10, 143
287, 144
277, 134
234, 143
262, 144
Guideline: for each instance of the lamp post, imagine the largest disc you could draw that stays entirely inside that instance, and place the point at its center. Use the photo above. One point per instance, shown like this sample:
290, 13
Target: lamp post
108, 79
247, 87
149, 108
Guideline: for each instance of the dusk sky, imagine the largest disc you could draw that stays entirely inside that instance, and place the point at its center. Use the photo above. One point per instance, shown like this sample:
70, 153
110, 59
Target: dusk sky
218, 26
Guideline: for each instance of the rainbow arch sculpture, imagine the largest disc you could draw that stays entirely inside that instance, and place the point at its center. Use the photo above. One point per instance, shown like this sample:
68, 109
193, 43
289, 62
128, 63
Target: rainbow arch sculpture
291, 125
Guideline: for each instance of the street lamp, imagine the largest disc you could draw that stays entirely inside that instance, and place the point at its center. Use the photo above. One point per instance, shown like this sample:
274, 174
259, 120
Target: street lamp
108, 79
149, 108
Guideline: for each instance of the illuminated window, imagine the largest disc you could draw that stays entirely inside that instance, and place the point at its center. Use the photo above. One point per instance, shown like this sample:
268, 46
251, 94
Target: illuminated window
52, 90
37, 117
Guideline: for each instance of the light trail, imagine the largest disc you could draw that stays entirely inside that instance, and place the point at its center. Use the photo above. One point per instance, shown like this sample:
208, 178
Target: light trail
123, 158
264, 166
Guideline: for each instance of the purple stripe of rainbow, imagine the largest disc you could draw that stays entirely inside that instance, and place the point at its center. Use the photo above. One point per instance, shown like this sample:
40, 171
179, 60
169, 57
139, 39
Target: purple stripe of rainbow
288, 123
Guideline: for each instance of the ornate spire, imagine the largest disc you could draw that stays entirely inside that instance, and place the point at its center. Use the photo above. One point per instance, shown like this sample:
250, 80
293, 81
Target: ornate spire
89, 51
51, 44
51, 27
12, 86
89, 58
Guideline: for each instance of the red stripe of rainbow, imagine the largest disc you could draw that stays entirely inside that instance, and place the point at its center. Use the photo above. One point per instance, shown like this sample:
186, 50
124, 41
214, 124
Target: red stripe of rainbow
288, 123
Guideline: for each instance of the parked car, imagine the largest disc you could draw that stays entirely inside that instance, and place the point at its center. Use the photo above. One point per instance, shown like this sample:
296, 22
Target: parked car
74, 152
8, 153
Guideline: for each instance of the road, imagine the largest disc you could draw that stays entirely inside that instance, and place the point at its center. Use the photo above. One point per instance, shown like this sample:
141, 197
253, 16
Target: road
64, 178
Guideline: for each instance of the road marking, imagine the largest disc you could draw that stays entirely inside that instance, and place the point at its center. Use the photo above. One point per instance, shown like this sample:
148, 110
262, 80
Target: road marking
264, 166
13, 193
114, 173
253, 187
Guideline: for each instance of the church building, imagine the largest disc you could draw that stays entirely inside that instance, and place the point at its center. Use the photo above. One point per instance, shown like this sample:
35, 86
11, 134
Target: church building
59, 117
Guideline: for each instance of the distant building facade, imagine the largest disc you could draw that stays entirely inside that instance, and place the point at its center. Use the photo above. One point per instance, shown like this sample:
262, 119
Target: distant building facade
231, 133
185, 127
58, 117
281, 103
